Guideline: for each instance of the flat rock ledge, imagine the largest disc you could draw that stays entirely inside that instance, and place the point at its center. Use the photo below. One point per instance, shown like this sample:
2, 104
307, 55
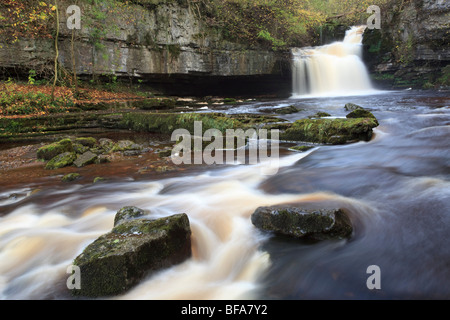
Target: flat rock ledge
134, 249
319, 224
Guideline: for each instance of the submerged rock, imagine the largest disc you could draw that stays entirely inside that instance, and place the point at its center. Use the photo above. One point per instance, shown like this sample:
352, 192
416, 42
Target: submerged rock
70, 177
298, 222
133, 249
98, 179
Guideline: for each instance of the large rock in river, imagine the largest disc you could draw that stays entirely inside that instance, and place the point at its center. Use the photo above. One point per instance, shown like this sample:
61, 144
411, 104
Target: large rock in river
330, 131
50, 151
132, 250
298, 222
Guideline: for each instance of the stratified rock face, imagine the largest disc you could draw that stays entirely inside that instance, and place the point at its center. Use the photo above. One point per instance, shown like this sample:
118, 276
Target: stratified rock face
165, 40
132, 250
299, 222
413, 42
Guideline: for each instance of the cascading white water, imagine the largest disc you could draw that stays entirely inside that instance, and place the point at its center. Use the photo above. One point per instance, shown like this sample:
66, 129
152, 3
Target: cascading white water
39, 241
331, 70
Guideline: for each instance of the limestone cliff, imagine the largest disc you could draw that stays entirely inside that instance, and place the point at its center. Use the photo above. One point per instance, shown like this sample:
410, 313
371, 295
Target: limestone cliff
412, 48
162, 42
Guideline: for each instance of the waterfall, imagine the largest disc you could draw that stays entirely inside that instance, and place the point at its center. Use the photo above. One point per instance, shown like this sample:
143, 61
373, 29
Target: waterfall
335, 69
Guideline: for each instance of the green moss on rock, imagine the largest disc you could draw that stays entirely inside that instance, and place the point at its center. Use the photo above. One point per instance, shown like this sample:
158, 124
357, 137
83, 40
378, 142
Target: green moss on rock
320, 114
301, 148
330, 131
52, 150
168, 122
86, 141
118, 260
318, 224
61, 160
98, 179
360, 113
128, 213
156, 104
124, 145
70, 177
351, 106
286, 110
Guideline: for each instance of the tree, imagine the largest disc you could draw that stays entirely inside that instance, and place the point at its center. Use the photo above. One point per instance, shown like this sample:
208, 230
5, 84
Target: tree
55, 79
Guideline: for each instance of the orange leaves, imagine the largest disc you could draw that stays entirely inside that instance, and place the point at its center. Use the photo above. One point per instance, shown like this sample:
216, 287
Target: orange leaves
22, 100
25, 19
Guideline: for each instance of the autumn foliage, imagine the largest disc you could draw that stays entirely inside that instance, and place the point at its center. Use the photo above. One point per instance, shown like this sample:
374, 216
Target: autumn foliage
25, 19
20, 99
281, 23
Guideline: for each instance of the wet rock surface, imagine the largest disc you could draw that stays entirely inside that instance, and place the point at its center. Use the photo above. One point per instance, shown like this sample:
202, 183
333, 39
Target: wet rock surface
134, 248
300, 222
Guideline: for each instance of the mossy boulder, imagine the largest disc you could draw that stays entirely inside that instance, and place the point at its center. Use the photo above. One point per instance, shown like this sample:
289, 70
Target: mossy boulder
301, 148
118, 260
61, 160
330, 131
70, 177
124, 145
128, 213
98, 180
156, 103
106, 144
286, 110
351, 106
229, 101
86, 141
52, 150
166, 123
320, 114
299, 222
360, 113
79, 148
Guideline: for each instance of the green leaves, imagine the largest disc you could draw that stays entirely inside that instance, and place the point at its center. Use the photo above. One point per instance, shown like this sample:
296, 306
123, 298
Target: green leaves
277, 24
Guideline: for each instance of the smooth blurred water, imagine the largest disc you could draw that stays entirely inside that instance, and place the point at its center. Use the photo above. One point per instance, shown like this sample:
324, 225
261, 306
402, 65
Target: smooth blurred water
396, 189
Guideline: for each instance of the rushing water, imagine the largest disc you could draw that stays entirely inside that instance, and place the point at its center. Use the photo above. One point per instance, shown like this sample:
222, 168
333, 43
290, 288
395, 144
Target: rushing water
395, 187
333, 69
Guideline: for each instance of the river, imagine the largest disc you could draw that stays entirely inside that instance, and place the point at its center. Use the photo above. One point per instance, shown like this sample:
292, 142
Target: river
395, 187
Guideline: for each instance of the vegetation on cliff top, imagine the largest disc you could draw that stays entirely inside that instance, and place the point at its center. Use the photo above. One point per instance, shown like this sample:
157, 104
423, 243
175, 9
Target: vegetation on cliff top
281, 23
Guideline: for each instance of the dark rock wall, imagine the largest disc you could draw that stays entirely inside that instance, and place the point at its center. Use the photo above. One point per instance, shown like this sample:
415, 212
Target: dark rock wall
412, 47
